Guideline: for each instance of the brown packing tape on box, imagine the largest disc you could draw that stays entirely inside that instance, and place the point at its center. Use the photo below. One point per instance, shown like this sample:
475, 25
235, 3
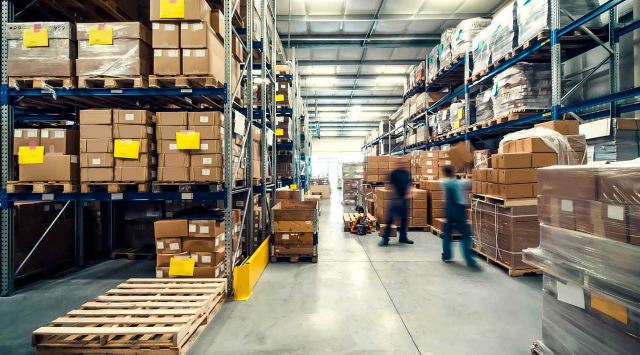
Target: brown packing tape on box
54, 168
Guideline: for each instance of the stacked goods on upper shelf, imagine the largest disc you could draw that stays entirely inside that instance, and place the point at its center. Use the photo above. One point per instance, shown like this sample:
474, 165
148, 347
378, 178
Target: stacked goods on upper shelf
320, 187
484, 106
352, 176
283, 128
283, 90
464, 34
96, 146
444, 52
190, 146
416, 77
48, 47
239, 159
590, 253
623, 143
534, 16
377, 169
503, 32
522, 87
433, 64
46, 154
481, 49
113, 49
295, 225
190, 248
425, 165
286, 193
435, 203
284, 164
255, 156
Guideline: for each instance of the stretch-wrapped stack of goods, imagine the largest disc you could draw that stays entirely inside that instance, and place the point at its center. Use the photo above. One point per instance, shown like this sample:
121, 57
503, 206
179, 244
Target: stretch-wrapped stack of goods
444, 52
352, 176
433, 63
484, 106
295, 226
622, 144
522, 87
590, 254
425, 165
464, 34
481, 49
503, 32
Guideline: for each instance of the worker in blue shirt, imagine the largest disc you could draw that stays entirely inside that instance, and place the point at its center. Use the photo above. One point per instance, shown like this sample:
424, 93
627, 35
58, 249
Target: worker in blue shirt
456, 215
399, 209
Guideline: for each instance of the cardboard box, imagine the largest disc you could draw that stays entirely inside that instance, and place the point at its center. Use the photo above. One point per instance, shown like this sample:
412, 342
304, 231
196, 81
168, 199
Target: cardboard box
207, 160
534, 145
460, 154
134, 174
130, 131
144, 160
211, 118
419, 222
173, 174
513, 161
540, 160
25, 137
88, 131
163, 260
208, 132
205, 228
202, 258
96, 116
96, 174
294, 238
209, 146
96, 160
203, 174
169, 147
217, 23
517, 176
194, 34
96, 145
59, 141
54, 168
516, 191
167, 62
209, 61
135, 117
168, 245
293, 226
169, 132
165, 35
179, 159
177, 118
419, 213
571, 127
168, 228
193, 10
200, 244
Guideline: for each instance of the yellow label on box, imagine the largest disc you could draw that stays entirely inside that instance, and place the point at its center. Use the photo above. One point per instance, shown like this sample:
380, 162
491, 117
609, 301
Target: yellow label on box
31, 155
293, 187
279, 98
460, 113
181, 267
279, 132
35, 37
126, 149
610, 308
188, 140
172, 9
100, 35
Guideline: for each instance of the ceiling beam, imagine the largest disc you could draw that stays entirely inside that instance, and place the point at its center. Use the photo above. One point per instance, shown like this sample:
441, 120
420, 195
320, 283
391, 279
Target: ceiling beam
350, 76
308, 63
339, 121
355, 97
389, 106
369, 43
342, 108
363, 37
381, 18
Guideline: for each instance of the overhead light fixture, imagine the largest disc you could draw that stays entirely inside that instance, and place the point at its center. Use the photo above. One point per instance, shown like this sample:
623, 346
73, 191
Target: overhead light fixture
321, 81
390, 80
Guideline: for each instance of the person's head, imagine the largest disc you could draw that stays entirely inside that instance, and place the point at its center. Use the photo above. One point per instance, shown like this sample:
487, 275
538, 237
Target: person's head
448, 171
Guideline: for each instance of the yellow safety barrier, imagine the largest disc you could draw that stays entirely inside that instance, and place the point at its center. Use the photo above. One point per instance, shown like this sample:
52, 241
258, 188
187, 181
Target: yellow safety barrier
246, 275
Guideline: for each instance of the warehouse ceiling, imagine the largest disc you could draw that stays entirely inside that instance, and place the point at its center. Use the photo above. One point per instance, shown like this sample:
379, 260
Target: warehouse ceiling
354, 55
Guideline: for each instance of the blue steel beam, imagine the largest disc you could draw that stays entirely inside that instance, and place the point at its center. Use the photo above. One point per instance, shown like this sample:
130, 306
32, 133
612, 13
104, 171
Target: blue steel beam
588, 17
12, 92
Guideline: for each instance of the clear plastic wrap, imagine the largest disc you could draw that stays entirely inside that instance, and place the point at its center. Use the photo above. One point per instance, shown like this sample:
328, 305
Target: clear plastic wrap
433, 63
444, 51
484, 106
128, 55
481, 49
503, 32
534, 16
556, 141
464, 34
522, 87
55, 59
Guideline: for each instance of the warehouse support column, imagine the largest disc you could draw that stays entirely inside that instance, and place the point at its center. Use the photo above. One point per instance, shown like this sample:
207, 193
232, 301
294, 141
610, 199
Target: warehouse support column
227, 151
636, 45
614, 62
556, 63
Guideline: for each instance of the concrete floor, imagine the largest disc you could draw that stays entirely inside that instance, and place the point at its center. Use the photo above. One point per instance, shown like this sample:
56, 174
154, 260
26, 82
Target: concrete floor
359, 298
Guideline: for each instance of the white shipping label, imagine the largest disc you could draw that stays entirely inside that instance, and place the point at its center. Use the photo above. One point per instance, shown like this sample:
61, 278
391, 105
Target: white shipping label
155, 25
206, 259
222, 237
74, 159
194, 257
170, 27
157, 52
198, 26
566, 205
44, 133
204, 146
207, 161
58, 134
217, 242
96, 161
200, 52
159, 274
149, 130
129, 117
13, 44
174, 246
32, 133
193, 228
429, 171
186, 53
429, 163
184, 26
160, 245
615, 212
204, 119
173, 146
204, 229
307, 222
206, 172
174, 53
17, 133
285, 237
570, 294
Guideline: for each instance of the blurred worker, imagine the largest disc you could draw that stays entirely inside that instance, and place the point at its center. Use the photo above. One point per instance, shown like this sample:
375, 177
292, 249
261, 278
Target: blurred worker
399, 208
456, 215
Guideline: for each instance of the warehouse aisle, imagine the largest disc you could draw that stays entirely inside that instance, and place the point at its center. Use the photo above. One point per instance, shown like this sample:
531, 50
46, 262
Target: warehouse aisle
360, 298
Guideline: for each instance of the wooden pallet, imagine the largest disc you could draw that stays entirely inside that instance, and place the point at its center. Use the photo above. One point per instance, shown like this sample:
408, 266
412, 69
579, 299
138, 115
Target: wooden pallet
115, 187
134, 253
257, 181
419, 228
438, 233
350, 218
21, 82
41, 187
139, 316
516, 115
506, 202
293, 258
185, 186
513, 272
105, 82
538, 348
183, 81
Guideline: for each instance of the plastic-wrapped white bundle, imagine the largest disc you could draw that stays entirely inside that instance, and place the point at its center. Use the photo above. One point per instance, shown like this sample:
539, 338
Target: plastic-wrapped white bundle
558, 142
464, 34
456, 114
484, 106
481, 49
534, 16
445, 48
433, 61
503, 34
522, 87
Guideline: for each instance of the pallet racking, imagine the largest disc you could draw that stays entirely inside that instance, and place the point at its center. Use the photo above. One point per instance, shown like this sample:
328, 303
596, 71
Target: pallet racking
460, 83
217, 98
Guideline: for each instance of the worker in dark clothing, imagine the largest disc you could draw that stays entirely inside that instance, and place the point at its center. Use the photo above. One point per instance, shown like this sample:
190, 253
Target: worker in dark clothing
456, 215
399, 209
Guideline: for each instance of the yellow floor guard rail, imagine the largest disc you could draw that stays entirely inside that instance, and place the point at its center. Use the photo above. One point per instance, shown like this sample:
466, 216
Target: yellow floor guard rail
246, 275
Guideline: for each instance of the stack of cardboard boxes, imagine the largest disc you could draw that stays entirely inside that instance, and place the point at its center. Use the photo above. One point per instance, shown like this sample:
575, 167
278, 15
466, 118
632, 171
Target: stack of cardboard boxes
378, 168
296, 228
352, 175
190, 248
46, 155
190, 146
425, 165
417, 216
117, 146
435, 204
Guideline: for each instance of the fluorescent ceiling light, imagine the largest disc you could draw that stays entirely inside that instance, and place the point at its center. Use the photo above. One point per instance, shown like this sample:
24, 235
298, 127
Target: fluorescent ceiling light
390, 80
321, 81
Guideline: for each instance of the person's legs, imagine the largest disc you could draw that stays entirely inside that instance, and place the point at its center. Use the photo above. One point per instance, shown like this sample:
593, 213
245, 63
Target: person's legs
466, 243
403, 212
384, 241
446, 239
